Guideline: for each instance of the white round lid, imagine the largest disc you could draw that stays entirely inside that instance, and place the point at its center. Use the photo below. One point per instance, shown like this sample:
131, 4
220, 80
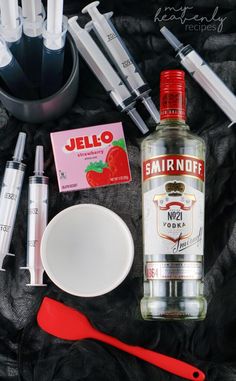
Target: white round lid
87, 250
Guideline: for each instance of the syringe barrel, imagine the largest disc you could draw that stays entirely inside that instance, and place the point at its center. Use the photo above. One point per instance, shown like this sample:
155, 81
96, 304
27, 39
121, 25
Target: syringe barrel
17, 50
119, 54
209, 81
53, 60
33, 51
55, 41
33, 19
37, 220
52, 71
100, 66
16, 81
9, 201
105, 73
11, 22
33, 14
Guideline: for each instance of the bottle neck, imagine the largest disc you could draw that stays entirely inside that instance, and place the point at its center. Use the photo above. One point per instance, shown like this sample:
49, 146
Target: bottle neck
172, 124
172, 107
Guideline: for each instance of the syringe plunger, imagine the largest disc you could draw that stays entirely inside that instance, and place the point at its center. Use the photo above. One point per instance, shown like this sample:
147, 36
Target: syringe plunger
134, 115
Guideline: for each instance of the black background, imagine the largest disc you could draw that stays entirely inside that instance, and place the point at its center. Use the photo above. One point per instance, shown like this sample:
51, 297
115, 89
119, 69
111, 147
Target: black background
28, 354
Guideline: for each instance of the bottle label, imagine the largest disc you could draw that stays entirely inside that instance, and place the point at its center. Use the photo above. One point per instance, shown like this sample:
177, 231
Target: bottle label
173, 270
173, 165
174, 213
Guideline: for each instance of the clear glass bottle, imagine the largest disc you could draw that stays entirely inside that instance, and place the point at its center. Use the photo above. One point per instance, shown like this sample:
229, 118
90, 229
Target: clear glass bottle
173, 211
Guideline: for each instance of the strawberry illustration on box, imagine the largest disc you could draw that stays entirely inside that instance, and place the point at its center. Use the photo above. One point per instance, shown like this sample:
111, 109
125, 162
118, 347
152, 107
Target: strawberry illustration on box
98, 174
114, 171
91, 157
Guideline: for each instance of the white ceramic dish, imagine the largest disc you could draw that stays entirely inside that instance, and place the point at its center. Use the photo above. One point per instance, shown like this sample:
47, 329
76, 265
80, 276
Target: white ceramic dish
87, 250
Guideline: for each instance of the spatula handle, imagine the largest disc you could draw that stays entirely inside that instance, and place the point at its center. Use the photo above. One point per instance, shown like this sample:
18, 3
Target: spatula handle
169, 364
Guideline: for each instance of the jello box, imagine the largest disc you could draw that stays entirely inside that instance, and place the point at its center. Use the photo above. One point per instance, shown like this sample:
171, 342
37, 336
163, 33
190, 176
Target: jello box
91, 157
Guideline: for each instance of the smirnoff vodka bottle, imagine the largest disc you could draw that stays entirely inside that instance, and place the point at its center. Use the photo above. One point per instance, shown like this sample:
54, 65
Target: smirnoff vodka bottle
173, 210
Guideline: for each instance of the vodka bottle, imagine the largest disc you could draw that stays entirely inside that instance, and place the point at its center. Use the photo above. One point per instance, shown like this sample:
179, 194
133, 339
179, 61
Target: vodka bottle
173, 161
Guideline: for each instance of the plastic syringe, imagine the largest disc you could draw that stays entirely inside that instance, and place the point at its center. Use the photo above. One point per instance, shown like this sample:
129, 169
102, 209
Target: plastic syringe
11, 27
13, 75
10, 196
105, 73
37, 219
54, 37
204, 75
33, 14
120, 56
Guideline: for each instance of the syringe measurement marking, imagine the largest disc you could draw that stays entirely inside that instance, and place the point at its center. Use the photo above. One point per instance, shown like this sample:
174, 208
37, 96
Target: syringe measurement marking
126, 63
5, 228
34, 211
111, 36
32, 243
10, 196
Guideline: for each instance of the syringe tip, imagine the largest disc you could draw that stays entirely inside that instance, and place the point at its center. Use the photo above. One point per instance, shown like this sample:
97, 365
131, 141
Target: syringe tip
150, 106
133, 113
170, 37
36, 277
39, 161
20, 147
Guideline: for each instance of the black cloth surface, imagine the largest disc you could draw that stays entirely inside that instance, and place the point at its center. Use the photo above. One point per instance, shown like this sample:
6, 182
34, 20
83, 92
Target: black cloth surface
27, 353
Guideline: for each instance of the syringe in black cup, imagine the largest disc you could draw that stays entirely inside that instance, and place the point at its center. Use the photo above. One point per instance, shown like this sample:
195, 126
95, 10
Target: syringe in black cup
11, 27
54, 38
33, 17
204, 75
37, 219
10, 196
13, 75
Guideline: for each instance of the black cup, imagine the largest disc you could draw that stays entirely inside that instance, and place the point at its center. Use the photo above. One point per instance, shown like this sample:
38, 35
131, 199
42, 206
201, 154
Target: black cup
44, 110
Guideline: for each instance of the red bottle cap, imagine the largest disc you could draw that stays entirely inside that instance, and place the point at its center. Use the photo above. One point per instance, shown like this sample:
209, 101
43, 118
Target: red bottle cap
172, 95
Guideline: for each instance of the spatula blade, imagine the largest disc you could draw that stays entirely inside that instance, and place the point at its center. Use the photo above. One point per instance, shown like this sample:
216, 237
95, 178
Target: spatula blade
59, 320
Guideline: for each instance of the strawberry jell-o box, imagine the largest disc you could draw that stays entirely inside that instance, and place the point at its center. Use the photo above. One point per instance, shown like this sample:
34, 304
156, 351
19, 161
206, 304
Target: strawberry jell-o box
91, 157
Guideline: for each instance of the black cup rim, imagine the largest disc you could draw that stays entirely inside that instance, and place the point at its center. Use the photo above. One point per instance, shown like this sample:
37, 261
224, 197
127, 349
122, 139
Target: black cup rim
74, 70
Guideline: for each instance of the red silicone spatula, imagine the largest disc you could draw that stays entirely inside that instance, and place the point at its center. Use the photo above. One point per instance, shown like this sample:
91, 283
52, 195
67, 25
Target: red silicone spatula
68, 324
